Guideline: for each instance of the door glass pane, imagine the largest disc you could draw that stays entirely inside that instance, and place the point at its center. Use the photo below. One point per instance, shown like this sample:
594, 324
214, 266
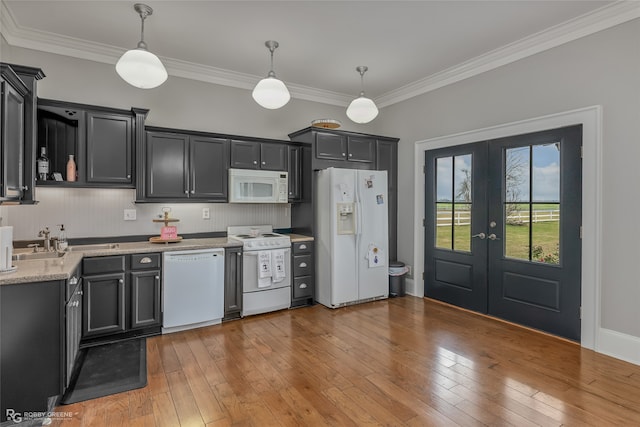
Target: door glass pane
462, 227
517, 175
444, 215
546, 173
545, 234
516, 241
444, 179
462, 178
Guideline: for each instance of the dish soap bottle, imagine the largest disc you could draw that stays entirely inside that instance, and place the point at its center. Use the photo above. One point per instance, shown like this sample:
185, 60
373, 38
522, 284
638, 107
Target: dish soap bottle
62, 238
71, 169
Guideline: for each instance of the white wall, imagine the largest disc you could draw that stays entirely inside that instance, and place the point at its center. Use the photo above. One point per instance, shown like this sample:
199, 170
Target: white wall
601, 69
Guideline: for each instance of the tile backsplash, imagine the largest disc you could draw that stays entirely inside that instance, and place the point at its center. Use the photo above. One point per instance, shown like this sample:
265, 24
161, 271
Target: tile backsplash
87, 212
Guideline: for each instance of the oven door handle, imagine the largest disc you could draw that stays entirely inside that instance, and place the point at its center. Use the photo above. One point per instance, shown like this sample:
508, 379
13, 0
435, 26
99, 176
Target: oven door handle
255, 253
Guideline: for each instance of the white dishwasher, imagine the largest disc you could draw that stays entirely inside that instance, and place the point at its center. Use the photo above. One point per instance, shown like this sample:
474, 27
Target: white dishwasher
193, 289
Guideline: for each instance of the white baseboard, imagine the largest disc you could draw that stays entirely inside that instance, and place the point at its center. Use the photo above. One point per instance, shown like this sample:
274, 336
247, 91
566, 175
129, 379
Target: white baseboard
616, 344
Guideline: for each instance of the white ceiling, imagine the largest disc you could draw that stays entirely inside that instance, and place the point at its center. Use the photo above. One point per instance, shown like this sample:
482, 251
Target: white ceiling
410, 47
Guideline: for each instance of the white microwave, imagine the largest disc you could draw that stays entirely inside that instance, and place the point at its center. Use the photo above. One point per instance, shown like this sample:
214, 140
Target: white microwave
258, 186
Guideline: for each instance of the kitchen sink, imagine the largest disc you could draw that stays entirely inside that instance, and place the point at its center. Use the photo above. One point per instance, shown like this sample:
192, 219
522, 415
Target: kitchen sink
95, 247
36, 255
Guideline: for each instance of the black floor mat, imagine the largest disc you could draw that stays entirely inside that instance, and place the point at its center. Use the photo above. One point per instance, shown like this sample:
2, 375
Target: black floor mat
108, 369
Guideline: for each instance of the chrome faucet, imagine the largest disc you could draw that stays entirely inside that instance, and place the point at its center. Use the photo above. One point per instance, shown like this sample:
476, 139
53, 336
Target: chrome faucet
47, 239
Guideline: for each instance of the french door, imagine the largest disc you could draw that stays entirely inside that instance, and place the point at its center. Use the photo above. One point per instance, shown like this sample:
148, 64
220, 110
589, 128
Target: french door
502, 228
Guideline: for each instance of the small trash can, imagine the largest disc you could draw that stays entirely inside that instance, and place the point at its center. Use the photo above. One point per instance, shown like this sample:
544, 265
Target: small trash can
397, 271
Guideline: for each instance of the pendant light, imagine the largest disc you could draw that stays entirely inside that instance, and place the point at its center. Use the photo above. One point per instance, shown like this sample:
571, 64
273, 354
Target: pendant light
270, 92
139, 67
362, 109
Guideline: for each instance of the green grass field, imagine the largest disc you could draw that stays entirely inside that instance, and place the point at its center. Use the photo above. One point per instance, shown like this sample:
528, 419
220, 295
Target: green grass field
516, 240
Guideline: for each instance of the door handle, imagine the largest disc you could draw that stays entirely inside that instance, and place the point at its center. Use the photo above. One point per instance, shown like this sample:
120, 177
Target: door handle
493, 237
482, 236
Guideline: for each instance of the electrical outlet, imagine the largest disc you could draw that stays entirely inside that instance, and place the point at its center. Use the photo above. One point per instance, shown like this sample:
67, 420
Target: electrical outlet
409, 271
129, 214
205, 213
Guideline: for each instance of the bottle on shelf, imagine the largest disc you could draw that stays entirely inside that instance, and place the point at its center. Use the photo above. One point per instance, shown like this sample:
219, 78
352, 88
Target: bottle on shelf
43, 164
71, 169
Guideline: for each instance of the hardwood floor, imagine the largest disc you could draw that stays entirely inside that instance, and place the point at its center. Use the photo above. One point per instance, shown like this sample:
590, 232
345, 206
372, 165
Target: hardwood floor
403, 361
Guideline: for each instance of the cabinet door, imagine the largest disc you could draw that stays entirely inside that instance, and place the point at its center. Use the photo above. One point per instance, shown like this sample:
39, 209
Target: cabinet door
295, 173
73, 331
12, 111
232, 283
245, 154
104, 305
361, 149
273, 156
166, 165
387, 159
209, 158
145, 299
330, 146
109, 148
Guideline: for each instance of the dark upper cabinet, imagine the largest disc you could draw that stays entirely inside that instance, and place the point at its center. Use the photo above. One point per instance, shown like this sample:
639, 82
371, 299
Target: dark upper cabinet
330, 146
102, 141
109, 148
18, 86
387, 160
361, 149
179, 166
208, 159
295, 173
166, 165
258, 155
12, 110
245, 154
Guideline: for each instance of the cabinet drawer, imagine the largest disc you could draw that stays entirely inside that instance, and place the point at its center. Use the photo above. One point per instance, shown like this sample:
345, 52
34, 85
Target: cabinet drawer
103, 264
303, 247
303, 287
302, 265
145, 261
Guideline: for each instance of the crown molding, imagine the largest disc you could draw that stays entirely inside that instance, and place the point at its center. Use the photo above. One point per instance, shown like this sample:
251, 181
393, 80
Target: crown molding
581, 26
598, 20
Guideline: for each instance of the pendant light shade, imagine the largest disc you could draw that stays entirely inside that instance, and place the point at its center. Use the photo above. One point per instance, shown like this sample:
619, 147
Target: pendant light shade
139, 67
362, 109
270, 92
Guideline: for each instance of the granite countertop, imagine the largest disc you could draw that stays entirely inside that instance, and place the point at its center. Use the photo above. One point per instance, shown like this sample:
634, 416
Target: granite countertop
42, 270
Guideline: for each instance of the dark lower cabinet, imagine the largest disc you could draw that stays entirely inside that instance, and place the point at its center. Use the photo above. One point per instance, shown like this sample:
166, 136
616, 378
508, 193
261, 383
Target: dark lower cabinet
121, 296
303, 278
31, 327
73, 329
232, 283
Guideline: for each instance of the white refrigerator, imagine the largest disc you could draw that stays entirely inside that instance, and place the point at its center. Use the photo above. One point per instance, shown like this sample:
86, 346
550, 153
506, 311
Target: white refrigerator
352, 230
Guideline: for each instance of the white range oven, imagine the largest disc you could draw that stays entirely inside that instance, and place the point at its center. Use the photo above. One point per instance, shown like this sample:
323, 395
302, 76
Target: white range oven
266, 268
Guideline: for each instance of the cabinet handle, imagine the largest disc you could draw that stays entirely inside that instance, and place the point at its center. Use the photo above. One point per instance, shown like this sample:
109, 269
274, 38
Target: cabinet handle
255, 162
128, 176
344, 154
145, 260
350, 154
302, 246
24, 187
121, 281
264, 163
157, 277
186, 191
193, 191
303, 286
303, 264
73, 280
